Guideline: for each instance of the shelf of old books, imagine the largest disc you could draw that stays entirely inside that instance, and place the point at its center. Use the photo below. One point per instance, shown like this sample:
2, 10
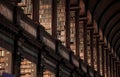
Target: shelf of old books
81, 36
95, 53
5, 61
27, 69
26, 5
48, 73
45, 14
89, 55
61, 16
88, 48
72, 31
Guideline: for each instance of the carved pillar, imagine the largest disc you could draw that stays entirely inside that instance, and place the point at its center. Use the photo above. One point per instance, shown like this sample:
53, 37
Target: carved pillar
67, 26
91, 46
77, 32
103, 72
112, 64
110, 67
36, 10
118, 68
111, 75
96, 51
114, 71
101, 56
104, 60
115, 68
83, 38
54, 18
98, 55
107, 63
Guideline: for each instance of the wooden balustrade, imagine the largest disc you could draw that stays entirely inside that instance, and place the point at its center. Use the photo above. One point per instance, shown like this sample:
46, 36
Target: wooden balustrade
63, 52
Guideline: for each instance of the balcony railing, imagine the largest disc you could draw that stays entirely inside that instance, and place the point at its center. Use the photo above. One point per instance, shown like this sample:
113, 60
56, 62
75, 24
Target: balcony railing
47, 39
63, 52
27, 24
75, 61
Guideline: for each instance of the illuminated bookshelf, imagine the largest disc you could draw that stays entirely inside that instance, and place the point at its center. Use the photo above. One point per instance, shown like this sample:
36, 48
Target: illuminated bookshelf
88, 48
5, 61
45, 14
72, 31
81, 36
47, 73
27, 69
61, 16
26, 5
95, 53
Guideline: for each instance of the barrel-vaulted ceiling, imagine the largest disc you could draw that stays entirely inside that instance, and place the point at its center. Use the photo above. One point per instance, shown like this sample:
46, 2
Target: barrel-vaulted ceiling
107, 15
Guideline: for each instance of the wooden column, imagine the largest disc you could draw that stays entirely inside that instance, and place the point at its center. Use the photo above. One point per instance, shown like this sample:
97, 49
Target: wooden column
91, 46
36, 10
90, 29
107, 64
67, 24
114, 68
101, 43
103, 60
85, 41
118, 74
117, 68
110, 66
16, 58
98, 56
77, 31
96, 51
54, 18
118, 71
39, 65
57, 71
